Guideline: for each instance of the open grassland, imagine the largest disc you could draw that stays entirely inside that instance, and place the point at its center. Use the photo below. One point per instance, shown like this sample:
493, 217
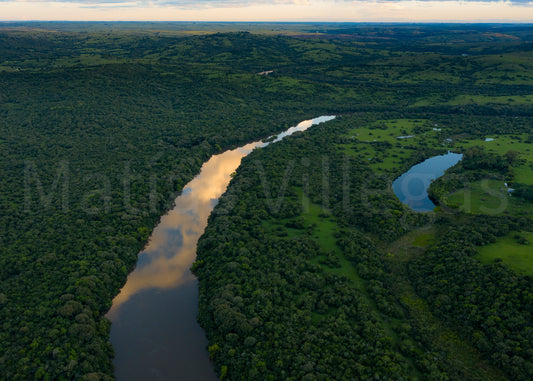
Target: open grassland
523, 170
385, 144
515, 250
323, 228
488, 196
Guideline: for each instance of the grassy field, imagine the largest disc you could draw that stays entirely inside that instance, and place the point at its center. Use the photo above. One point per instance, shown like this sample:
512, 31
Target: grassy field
386, 143
490, 197
518, 256
501, 144
486, 196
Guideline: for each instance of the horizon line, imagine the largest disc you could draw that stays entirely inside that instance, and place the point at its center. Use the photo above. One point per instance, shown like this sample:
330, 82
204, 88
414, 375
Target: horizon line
274, 22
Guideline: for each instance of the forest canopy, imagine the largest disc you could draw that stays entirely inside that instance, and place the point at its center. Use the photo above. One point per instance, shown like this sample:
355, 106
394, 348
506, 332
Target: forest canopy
101, 128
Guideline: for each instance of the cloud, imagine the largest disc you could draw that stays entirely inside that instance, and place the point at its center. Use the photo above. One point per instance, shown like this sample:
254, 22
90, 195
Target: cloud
210, 4
450, 1
178, 3
270, 10
102, 3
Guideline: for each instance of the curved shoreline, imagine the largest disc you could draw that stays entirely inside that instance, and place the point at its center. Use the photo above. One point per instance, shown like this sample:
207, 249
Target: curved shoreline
162, 284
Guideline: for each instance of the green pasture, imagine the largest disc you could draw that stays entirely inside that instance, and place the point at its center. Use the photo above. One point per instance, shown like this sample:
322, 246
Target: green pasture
518, 256
424, 239
523, 171
488, 196
380, 144
430, 75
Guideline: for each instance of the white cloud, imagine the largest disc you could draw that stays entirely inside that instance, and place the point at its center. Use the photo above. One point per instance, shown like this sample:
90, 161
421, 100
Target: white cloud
274, 10
194, 4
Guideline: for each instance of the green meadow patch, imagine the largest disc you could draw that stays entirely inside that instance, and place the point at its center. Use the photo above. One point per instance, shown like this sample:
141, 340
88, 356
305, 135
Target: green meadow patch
501, 144
515, 250
488, 196
385, 144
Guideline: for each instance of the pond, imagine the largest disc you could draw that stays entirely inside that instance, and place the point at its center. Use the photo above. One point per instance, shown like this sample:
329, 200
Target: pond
154, 330
412, 187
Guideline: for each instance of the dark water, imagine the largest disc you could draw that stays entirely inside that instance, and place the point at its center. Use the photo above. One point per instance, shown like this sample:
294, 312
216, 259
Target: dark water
411, 187
154, 332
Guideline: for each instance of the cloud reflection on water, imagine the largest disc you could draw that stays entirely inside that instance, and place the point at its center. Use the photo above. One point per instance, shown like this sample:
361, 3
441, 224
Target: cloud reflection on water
165, 261
171, 250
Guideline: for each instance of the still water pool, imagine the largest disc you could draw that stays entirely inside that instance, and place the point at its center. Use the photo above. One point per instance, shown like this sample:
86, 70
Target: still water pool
412, 187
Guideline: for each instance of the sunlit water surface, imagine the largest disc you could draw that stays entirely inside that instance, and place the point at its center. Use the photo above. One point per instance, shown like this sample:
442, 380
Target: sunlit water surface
154, 332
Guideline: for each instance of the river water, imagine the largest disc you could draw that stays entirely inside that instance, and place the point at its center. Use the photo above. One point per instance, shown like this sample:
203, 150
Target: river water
154, 330
412, 187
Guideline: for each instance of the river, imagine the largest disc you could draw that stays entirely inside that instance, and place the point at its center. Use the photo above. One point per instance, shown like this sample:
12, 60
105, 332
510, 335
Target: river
154, 330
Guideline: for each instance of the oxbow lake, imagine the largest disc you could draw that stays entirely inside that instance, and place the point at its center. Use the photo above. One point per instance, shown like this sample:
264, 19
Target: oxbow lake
412, 187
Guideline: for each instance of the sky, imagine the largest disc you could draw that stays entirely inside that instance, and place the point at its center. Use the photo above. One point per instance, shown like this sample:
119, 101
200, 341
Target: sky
273, 10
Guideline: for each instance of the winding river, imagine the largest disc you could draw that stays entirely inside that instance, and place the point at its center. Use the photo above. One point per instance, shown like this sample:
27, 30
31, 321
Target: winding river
154, 332
412, 187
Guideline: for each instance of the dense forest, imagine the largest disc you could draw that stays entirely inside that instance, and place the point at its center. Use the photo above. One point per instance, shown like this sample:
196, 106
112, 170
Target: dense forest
310, 267
307, 278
